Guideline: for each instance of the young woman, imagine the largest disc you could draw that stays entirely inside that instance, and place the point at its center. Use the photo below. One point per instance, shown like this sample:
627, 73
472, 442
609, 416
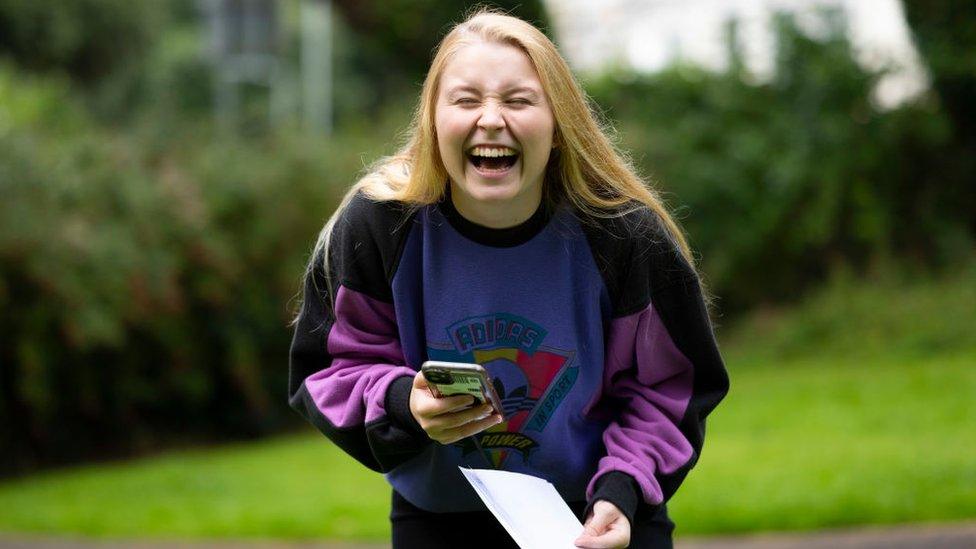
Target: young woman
509, 232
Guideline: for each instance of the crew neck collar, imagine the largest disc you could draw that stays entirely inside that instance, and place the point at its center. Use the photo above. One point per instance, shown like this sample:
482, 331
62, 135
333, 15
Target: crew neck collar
488, 236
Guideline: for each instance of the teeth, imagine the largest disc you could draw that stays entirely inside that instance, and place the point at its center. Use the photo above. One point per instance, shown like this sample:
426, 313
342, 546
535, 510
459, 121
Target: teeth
493, 152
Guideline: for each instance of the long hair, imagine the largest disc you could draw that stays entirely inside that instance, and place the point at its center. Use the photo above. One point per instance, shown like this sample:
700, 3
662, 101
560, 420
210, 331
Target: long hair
585, 168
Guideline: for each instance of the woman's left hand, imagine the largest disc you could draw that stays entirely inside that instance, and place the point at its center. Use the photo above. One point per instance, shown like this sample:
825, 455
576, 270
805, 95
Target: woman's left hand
605, 528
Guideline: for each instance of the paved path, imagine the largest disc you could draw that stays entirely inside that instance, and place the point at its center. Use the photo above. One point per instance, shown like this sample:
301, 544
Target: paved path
946, 536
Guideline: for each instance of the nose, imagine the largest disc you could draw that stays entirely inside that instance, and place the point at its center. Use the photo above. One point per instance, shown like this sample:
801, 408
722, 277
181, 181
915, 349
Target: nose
491, 117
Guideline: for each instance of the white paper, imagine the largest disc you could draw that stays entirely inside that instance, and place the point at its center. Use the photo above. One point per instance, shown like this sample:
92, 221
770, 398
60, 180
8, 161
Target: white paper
529, 508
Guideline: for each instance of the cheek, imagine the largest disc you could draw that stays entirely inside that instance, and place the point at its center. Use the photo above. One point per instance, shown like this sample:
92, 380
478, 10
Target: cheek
443, 136
451, 128
535, 134
450, 140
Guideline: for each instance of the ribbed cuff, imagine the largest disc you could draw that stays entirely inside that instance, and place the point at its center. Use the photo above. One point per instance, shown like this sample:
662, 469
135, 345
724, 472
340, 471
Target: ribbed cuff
619, 489
398, 406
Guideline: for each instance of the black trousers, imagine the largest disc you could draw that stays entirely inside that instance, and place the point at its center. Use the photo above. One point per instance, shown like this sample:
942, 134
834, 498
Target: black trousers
415, 528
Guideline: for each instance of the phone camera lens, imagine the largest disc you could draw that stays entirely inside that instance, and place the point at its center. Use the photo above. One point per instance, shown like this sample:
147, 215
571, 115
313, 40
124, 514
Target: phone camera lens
440, 378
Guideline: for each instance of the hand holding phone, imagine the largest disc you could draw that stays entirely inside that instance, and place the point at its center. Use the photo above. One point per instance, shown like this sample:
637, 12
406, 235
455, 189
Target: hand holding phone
452, 416
461, 378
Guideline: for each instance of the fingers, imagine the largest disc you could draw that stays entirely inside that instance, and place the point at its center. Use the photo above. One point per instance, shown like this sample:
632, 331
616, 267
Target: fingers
606, 541
611, 539
606, 528
423, 403
430, 406
449, 419
451, 436
449, 428
453, 420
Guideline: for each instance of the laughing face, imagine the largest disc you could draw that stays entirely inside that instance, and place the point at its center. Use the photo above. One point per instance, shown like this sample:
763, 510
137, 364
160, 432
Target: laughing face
494, 133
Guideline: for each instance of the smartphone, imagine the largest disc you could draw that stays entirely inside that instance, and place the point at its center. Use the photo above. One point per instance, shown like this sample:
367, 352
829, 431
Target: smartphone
461, 378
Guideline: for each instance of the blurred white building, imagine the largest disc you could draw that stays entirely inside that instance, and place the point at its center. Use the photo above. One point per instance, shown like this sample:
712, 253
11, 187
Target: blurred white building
648, 35
249, 43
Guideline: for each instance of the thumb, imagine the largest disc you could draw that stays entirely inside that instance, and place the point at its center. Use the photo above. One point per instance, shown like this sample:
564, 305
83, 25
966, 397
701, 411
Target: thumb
597, 523
419, 381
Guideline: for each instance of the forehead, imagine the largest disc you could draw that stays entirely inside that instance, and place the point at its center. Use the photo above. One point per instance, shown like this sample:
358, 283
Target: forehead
489, 66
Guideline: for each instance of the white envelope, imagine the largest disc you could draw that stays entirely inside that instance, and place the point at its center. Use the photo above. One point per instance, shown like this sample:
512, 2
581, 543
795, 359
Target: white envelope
529, 508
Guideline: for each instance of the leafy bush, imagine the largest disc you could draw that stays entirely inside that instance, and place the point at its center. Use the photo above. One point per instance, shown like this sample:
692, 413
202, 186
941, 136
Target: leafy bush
79, 38
146, 284
778, 183
384, 48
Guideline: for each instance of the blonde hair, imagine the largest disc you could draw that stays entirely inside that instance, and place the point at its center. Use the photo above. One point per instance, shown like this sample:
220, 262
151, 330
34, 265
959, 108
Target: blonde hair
590, 172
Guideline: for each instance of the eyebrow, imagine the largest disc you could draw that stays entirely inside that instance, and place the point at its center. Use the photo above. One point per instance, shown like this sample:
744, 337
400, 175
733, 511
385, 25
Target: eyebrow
509, 91
522, 89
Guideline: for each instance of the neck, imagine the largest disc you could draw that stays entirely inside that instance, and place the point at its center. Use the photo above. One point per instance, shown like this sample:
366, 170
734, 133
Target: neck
496, 214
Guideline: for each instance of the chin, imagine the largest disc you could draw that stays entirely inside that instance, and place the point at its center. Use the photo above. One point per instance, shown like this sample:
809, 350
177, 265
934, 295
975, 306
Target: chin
489, 193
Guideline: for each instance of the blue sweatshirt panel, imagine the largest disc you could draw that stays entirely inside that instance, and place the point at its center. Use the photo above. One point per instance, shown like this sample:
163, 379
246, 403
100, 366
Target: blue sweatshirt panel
534, 316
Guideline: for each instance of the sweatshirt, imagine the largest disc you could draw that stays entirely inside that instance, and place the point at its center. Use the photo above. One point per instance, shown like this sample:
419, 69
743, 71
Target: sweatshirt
593, 329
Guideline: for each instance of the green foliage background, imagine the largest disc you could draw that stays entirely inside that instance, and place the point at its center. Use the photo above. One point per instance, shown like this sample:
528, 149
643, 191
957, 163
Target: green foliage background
145, 286
149, 264
782, 182
388, 45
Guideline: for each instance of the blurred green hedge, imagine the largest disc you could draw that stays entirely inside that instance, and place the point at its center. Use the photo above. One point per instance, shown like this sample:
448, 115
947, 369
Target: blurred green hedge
81, 38
146, 283
781, 182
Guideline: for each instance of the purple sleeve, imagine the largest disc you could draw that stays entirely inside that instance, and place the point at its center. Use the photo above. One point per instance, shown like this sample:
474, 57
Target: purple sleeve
366, 359
347, 373
348, 377
664, 370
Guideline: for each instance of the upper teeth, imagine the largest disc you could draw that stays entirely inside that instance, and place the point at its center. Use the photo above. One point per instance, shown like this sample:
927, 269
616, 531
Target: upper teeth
493, 151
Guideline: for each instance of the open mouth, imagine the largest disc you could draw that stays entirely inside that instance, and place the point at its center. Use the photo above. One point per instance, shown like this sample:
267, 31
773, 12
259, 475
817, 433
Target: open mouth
492, 159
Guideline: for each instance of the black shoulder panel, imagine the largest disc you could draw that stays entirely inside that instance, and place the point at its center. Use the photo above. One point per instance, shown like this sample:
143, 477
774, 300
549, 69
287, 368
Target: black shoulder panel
366, 244
636, 255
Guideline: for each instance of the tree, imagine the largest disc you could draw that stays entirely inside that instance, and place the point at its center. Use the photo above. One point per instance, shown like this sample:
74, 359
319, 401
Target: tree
81, 38
391, 43
945, 33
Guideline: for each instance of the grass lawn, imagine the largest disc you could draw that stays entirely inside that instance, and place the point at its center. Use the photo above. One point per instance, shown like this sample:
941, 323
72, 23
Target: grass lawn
827, 442
800, 444
290, 487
